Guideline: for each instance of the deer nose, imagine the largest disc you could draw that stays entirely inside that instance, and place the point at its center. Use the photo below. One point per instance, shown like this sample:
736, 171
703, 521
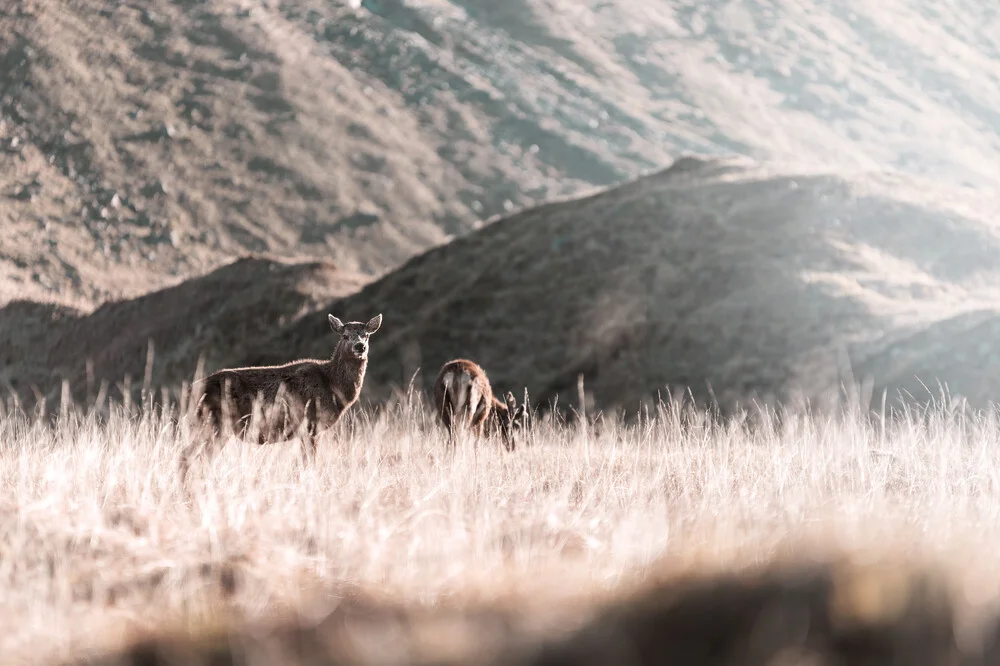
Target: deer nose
359, 347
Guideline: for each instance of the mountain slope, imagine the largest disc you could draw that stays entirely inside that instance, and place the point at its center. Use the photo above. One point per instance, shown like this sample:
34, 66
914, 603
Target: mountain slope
152, 140
721, 276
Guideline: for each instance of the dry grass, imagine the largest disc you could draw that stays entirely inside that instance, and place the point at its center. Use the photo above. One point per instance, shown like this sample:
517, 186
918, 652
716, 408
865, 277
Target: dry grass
98, 534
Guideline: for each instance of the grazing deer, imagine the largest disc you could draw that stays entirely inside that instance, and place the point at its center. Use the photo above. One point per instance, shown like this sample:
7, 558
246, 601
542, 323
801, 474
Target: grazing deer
310, 393
463, 397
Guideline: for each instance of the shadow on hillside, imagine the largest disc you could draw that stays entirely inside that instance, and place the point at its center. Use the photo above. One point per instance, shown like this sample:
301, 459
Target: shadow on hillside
29, 330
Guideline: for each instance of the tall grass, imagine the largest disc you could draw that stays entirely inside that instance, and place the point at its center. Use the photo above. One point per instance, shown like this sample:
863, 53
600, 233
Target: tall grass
96, 523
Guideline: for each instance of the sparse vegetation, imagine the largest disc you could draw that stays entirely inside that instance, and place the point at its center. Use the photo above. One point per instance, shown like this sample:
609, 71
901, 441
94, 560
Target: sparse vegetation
98, 533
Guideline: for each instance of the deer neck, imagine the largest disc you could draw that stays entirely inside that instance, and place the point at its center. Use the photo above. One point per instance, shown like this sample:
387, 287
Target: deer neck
499, 410
346, 372
498, 406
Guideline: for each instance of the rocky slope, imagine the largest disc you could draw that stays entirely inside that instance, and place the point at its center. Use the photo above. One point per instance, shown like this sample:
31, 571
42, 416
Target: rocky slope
723, 277
148, 141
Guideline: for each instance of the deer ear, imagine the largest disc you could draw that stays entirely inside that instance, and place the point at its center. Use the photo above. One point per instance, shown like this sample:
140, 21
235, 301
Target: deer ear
373, 324
336, 325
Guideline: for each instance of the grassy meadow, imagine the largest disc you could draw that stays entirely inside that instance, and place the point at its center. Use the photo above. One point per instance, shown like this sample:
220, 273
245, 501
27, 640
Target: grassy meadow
100, 536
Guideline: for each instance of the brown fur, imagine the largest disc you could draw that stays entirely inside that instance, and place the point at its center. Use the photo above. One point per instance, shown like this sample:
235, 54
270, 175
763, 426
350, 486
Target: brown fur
310, 393
488, 414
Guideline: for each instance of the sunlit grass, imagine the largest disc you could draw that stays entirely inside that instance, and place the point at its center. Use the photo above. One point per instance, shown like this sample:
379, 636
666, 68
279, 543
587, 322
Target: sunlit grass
96, 522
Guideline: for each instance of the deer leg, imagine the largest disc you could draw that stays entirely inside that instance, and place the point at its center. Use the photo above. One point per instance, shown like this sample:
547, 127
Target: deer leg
473, 405
259, 420
310, 441
309, 433
186, 456
449, 425
205, 437
448, 418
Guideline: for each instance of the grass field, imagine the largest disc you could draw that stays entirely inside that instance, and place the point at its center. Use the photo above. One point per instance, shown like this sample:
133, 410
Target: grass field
99, 535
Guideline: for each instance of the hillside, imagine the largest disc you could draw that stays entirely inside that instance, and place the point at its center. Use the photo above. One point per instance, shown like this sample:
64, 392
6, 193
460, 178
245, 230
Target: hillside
155, 140
216, 317
725, 277
722, 276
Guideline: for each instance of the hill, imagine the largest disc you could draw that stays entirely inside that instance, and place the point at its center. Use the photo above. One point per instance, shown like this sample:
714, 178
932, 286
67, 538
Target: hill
151, 141
722, 276
217, 317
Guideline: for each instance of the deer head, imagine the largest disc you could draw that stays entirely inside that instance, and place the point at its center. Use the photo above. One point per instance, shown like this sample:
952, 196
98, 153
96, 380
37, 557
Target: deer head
512, 420
354, 335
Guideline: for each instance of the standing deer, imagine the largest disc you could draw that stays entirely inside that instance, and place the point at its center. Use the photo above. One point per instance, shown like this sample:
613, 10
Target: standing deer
463, 397
310, 393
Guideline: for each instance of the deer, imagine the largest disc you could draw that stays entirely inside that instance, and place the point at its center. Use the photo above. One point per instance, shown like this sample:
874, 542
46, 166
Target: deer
302, 397
463, 398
